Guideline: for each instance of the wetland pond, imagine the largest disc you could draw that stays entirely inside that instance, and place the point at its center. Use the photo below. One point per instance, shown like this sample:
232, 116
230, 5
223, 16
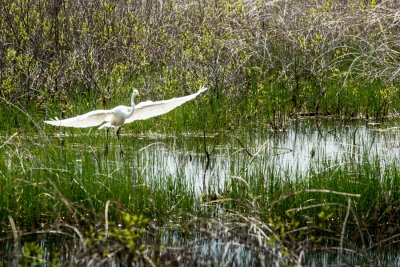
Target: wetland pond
46, 176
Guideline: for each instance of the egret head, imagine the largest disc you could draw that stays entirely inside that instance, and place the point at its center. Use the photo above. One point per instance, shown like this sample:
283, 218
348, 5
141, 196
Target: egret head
136, 92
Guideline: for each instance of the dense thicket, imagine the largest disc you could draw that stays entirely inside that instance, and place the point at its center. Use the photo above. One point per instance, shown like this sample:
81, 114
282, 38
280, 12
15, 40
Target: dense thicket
268, 57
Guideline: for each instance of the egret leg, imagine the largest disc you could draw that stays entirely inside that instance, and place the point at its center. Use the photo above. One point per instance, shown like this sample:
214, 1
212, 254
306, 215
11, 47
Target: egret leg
118, 131
106, 148
119, 141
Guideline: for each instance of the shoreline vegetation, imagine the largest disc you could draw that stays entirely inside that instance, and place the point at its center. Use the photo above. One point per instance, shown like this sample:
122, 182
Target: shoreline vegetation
268, 65
260, 59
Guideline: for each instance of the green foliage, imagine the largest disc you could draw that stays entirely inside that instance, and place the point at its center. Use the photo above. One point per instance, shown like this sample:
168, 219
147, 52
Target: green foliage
34, 255
256, 62
134, 229
126, 241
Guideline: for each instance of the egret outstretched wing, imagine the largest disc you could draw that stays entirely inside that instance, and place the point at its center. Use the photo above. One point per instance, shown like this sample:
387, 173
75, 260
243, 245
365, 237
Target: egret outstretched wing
93, 118
148, 109
120, 115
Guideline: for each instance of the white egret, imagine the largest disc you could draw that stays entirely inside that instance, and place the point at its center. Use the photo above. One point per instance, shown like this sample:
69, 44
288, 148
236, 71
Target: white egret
121, 115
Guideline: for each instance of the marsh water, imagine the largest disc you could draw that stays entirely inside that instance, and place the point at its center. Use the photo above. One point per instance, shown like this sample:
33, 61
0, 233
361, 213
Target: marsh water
287, 153
206, 162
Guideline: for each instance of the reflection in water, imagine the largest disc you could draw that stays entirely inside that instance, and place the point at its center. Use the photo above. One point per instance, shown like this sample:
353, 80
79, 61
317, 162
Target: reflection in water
286, 154
245, 153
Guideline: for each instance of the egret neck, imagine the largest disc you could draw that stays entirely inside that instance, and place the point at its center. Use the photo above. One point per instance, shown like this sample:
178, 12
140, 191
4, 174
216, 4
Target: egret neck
130, 113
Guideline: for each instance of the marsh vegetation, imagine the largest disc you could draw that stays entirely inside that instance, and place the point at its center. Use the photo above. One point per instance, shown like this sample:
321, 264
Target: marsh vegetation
249, 197
290, 157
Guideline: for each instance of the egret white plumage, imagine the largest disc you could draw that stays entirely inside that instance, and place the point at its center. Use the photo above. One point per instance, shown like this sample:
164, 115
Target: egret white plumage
121, 115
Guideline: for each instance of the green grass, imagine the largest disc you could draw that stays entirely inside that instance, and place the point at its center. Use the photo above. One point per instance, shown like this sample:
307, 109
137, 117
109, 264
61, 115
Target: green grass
43, 179
347, 200
221, 109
